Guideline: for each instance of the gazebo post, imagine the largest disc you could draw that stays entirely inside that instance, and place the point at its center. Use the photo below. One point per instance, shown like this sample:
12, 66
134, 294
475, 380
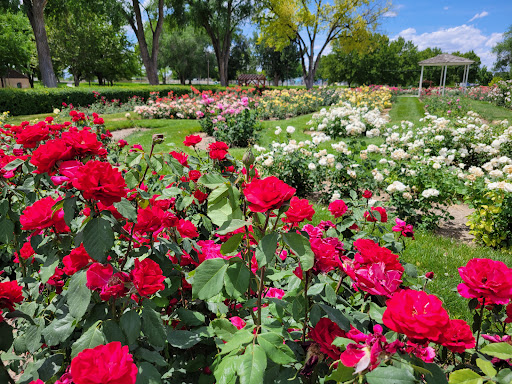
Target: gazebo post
444, 80
441, 79
421, 81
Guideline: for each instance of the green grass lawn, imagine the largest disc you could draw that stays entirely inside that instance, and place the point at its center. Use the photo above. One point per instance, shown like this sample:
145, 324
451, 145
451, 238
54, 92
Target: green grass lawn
488, 111
429, 252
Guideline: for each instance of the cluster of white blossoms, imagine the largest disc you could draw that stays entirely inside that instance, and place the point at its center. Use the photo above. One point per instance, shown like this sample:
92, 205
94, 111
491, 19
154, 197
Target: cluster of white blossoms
347, 120
430, 192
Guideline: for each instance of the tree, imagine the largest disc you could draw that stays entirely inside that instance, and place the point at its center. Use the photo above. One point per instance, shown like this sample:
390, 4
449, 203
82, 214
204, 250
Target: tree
183, 51
484, 76
220, 19
315, 24
241, 56
16, 43
278, 65
503, 51
35, 13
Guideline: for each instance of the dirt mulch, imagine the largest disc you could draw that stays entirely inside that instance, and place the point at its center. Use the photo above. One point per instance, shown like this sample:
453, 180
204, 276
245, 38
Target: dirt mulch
207, 140
456, 228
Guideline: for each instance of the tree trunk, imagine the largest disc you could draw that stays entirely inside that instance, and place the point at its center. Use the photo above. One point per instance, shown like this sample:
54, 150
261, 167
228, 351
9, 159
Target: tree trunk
149, 60
276, 80
35, 12
309, 80
182, 80
76, 80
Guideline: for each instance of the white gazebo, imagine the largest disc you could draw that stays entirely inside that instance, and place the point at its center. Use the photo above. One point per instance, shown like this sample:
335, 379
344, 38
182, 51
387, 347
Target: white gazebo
444, 60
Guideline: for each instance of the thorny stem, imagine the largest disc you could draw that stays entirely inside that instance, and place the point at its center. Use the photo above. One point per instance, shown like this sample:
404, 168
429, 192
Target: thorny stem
340, 281
306, 309
260, 293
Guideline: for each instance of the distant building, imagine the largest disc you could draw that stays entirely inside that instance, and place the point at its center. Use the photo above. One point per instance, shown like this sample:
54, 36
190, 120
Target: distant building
14, 79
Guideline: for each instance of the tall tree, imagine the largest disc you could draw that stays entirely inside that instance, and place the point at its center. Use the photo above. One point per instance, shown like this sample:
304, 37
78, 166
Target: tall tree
35, 13
183, 51
278, 65
315, 24
16, 43
220, 19
503, 51
241, 57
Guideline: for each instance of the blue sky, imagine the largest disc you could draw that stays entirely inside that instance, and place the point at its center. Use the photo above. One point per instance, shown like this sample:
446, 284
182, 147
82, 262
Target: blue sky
450, 25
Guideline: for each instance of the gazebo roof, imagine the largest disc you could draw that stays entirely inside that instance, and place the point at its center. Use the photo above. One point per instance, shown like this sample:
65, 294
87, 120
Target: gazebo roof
245, 77
445, 59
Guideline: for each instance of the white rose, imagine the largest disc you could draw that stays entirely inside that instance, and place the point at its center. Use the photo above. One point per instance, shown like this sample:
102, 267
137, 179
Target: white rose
311, 166
290, 129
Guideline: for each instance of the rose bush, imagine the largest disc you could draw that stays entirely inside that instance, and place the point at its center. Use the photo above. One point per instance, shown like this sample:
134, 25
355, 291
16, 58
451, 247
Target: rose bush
131, 265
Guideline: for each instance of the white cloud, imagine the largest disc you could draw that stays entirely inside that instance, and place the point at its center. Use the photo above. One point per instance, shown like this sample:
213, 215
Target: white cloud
390, 14
479, 16
462, 38
446, 8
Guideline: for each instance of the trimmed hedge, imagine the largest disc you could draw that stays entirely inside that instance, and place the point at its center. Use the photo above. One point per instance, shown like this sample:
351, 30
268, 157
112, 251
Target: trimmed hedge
35, 101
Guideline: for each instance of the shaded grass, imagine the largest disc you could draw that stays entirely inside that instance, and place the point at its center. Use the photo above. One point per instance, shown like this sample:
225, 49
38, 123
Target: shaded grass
489, 111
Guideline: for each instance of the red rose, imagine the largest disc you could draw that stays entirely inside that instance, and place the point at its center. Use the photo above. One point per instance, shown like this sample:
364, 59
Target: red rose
299, 210
149, 219
105, 364
194, 175
192, 140
370, 252
46, 155
338, 208
187, 229
369, 216
116, 286
76, 260
30, 136
324, 333
486, 279
100, 181
238, 322
181, 157
122, 143
10, 293
376, 279
508, 310
458, 337
367, 194
40, 215
218, 150
200, 196
98, 120
26, 251
327, 256
56, 280
267, 194
147, 277
84, 143
98, 276
419, 316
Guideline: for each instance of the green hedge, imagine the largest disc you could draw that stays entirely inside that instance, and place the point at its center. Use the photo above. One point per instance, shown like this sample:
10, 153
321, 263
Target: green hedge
35, 101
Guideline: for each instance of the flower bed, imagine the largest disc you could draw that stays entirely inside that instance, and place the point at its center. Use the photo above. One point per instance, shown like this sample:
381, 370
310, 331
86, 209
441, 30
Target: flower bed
130, 265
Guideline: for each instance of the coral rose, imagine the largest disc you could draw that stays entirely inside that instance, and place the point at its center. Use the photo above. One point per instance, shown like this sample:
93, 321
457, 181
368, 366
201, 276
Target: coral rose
267, 194
100, 181
105, 364
416, 314
486, 279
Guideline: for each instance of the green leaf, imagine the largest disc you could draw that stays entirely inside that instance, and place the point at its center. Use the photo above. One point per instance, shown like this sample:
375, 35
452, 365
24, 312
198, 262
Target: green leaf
59, 330
230, 226
486, 367
231, 244
33, 337
223, 328
50, 367
6, 230
190, 318
89, 339
11, 166
78, 295
465, 376
211, 180
113, 332
341, 374
504, 376
341, 342
183, 339
253, 365
150, 356
152, 327
6, 337
126, 209
274, 348
302, 248
131, 326
500, 350
209, 278
48, 268
225, 372
98, 238
437, 376
148, 374
266, 249
336, 316
240, 338
390, 375
70, 209
17, 314
237, 279
376, 312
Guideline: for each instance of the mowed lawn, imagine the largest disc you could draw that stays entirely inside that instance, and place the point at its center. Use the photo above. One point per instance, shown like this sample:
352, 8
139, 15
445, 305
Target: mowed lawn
429, 252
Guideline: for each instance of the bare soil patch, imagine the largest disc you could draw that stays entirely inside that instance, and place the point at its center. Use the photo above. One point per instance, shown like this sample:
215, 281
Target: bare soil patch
207, 140
123, 133
456, 228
